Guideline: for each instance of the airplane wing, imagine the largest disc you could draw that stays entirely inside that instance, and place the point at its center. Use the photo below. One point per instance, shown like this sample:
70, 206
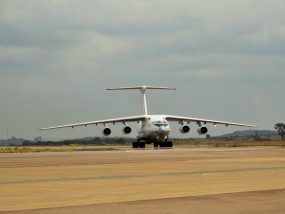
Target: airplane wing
204, 121
123, 119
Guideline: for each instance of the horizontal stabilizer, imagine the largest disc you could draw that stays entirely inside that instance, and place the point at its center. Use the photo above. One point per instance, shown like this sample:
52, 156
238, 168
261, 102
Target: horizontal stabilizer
142, 88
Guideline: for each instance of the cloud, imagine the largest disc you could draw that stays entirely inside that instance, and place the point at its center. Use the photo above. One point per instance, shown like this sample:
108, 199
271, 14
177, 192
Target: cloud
62, 54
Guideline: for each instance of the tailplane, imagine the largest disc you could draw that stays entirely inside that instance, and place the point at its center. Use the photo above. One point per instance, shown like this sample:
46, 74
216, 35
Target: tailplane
143, 96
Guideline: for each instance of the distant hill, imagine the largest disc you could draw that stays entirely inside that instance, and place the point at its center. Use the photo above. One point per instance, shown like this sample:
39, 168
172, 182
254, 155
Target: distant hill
248, 133
12, 141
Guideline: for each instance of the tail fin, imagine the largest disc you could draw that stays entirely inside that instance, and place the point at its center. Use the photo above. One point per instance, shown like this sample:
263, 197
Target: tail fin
142, 89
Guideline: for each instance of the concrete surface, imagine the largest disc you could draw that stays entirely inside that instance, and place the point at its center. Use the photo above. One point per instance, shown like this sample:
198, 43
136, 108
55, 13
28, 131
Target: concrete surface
160, 181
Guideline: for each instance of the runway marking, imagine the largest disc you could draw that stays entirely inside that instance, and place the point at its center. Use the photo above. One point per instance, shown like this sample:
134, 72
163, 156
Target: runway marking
139, 175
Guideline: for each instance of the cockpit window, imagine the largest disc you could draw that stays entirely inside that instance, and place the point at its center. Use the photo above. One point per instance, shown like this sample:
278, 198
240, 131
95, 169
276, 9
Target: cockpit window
160, 123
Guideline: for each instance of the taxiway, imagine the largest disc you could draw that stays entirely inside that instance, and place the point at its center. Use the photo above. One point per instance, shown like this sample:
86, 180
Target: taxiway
82, 181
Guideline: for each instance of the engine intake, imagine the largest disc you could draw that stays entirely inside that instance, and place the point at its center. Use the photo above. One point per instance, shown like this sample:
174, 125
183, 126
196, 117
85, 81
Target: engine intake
127, 130
202, 130
106, 131
184, 129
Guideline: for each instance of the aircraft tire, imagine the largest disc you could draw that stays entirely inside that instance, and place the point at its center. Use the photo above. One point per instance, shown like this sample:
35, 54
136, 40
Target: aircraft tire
135, 144
155, 145
141, 145
166, 144
169, 144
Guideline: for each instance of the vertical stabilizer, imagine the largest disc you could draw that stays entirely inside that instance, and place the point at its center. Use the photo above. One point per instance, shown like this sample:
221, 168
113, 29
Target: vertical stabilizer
143, 95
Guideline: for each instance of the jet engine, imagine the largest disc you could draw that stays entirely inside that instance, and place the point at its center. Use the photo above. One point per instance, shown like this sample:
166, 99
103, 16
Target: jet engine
202, 130
106, 131
127, 130
184, 129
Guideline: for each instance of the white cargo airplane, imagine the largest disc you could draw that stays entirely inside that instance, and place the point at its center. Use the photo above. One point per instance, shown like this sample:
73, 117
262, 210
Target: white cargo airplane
152, 128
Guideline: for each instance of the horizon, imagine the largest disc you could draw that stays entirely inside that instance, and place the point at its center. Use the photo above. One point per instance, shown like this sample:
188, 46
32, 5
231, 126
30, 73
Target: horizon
128, 137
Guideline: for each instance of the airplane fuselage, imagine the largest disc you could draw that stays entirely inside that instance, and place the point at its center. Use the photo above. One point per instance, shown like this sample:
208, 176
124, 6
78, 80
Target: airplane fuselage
154, 129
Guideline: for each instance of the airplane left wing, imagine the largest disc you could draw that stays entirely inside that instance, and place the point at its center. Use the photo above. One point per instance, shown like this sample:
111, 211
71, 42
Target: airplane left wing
123, 119
200, 121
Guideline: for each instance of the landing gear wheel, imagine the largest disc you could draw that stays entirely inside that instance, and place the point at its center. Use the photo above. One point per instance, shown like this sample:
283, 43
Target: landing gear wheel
169, 144
135, 144
155, 145
138, 145
166, 144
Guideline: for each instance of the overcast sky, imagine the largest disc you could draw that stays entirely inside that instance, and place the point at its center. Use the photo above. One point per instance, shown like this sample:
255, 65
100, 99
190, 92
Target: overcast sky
226, 59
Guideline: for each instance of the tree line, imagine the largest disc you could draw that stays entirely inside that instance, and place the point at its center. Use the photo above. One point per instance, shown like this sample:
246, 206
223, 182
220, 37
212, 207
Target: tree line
280, 128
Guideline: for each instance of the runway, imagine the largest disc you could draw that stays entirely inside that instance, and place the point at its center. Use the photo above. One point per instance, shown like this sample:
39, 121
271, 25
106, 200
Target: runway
85, 181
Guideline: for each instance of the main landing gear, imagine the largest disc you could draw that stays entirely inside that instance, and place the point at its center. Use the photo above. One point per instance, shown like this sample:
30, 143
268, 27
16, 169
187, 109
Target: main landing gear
165, 144
139, 145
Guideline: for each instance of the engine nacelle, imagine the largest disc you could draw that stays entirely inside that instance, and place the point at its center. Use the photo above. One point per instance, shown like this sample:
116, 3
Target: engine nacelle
106, 131
184, 129
127, 130
202, 130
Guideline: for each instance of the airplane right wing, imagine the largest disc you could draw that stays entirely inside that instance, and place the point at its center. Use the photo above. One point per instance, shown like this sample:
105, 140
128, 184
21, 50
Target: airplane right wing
204, 121
123, 120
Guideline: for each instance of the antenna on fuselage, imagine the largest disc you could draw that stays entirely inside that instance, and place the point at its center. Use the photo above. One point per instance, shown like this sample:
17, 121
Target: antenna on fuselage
143, 95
